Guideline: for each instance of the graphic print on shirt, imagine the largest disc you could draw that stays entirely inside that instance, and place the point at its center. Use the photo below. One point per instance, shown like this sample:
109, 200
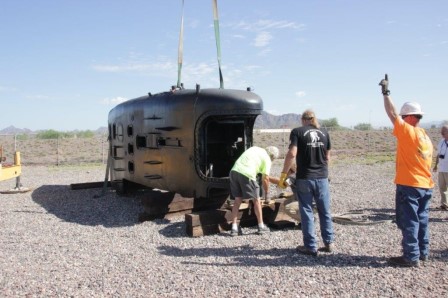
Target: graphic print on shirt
314, 137
424, 149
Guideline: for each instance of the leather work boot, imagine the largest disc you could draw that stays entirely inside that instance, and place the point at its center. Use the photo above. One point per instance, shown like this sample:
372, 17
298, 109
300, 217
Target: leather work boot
402, 262
329, 247
305, 251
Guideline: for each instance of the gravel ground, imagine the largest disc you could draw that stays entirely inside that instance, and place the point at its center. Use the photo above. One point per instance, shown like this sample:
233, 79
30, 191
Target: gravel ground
57, 242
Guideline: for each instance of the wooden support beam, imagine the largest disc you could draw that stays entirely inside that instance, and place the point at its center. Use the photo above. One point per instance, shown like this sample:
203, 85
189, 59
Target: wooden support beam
219, 220
163, 204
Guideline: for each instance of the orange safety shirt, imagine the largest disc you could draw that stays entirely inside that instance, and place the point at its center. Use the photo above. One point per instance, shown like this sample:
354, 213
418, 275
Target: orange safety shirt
414, 155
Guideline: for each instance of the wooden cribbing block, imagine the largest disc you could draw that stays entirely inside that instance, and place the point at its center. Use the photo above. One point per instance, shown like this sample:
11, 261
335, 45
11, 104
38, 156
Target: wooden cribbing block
219, 220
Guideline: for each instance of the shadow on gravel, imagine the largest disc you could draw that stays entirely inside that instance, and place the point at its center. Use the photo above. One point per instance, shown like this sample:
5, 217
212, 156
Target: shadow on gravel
80, 206
248, 256
172, 230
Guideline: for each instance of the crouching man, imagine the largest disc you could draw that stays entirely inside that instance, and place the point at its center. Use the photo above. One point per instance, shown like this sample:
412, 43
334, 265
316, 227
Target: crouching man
244, 185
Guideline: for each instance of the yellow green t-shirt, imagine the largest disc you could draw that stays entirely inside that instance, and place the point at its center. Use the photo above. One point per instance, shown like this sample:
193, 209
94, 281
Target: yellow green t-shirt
253, 161
414, 155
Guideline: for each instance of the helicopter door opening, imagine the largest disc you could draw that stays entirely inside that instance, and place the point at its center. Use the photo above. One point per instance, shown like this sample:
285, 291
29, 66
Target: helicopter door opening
224, 142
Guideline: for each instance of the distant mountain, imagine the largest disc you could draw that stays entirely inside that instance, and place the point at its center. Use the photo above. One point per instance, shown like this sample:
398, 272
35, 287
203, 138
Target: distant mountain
269, 121
11, 130
102, 130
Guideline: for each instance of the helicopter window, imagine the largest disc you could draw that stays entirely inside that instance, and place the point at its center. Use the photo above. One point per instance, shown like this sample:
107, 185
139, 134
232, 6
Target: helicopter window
130, 149
140, 141
131, 167
130, 131
151, 141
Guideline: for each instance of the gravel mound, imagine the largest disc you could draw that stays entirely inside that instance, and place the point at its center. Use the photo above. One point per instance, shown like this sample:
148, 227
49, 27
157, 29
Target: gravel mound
58, 242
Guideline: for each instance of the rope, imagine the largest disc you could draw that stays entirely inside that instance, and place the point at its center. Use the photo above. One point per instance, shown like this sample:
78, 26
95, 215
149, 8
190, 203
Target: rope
362, 219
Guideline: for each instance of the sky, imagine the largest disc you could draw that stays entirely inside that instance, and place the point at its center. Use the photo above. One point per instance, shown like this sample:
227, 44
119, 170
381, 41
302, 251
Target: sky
65, 64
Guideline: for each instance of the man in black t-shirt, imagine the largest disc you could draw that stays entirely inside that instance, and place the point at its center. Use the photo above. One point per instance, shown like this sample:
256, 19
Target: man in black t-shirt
310, 146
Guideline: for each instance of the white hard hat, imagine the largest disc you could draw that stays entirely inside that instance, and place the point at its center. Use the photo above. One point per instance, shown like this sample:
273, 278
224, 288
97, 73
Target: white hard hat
272, 152
411, 108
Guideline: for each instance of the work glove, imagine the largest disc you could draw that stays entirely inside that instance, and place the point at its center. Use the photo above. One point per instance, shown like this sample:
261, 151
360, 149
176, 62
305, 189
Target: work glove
282, 181
385, 85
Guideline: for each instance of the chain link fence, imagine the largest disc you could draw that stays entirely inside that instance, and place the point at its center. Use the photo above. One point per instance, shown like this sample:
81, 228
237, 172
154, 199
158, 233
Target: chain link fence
60, 151
76, 151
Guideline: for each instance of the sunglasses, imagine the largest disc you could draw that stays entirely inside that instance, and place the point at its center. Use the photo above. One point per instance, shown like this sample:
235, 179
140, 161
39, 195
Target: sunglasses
416, 116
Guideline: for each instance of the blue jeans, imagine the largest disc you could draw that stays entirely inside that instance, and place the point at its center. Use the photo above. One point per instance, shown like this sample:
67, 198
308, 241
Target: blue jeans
317, 189
412, 213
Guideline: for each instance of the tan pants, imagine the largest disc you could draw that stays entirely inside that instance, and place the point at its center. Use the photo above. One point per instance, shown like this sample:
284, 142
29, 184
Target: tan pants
443, 183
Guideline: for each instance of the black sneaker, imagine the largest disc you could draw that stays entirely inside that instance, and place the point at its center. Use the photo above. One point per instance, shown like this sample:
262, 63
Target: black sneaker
402, 262
305, 251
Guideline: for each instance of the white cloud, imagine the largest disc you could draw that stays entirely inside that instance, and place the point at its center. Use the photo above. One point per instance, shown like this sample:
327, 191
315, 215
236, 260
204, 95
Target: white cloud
113, 101
264, 52
262, 39
262, 25
300, 93
136, 67
198, 70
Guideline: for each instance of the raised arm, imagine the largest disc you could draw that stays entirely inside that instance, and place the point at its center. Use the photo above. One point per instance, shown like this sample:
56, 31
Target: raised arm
388, 104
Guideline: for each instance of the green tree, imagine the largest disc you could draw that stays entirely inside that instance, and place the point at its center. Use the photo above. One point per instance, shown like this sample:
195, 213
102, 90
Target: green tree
363, 126
330, 123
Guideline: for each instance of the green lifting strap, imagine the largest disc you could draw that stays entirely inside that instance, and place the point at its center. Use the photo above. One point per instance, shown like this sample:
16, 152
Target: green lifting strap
218, 42
180, 48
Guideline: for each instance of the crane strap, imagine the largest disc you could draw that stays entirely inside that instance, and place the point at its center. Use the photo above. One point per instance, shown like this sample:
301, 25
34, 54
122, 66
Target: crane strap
180, 51
218, 40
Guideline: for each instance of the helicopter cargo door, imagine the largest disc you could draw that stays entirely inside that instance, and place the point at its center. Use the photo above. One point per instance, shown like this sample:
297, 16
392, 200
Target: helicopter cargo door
223, 141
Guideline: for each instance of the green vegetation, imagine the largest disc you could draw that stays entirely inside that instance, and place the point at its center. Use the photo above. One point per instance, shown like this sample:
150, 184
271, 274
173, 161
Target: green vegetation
331, 123
363, 126
53, 134
22, 137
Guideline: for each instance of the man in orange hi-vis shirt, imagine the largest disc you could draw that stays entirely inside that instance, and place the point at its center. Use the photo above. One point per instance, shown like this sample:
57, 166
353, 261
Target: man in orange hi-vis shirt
413, 179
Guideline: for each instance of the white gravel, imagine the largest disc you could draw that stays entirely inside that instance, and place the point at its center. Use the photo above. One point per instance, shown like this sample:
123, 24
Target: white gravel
57, 242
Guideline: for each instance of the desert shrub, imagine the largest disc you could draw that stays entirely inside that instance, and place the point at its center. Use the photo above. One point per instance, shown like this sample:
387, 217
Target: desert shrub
48, 134
85, 134
22, 137
331, 123
363, 126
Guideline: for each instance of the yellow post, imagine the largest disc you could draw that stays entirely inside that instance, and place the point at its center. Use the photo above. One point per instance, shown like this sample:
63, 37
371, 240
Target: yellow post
17, 159
8, 172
